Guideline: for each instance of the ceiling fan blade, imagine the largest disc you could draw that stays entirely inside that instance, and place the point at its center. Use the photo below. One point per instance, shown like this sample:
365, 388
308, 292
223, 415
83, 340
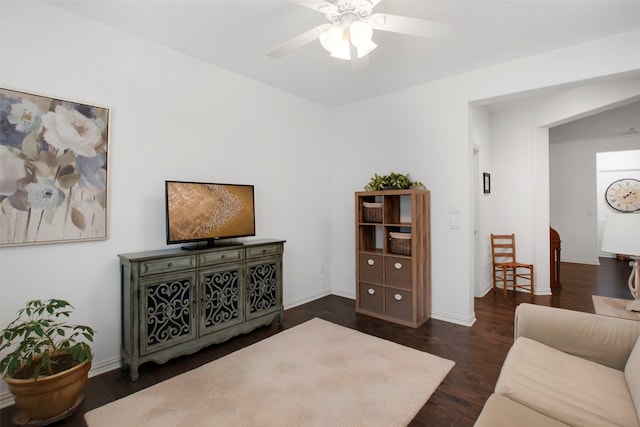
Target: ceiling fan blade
326, 7
406, 25
298, 41
321, 6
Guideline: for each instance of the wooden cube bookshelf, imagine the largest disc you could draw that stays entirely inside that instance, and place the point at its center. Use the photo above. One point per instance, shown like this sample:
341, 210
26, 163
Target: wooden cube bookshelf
394, 286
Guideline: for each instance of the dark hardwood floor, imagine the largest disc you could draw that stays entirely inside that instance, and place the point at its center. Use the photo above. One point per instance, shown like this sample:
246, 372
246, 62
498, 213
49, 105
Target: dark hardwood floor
478, 351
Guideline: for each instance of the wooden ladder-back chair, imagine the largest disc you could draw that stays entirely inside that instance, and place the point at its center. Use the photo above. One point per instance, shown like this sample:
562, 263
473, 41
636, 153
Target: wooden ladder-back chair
506, 269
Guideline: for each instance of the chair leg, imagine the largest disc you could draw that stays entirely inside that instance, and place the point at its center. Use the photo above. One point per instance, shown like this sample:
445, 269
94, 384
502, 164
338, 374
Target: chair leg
494, 287
532, 283
504, 282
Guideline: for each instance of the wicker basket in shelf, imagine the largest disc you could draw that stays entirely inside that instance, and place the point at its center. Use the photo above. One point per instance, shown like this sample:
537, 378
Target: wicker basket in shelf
372, 212
400, 243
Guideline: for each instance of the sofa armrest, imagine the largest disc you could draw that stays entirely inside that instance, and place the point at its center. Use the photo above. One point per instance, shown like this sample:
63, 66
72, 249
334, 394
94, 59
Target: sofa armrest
602, 339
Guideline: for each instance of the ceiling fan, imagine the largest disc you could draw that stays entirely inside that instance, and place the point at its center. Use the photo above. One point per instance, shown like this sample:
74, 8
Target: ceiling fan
350, 28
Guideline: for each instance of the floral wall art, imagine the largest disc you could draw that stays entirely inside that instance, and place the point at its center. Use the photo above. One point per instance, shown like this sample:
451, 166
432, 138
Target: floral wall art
53, 170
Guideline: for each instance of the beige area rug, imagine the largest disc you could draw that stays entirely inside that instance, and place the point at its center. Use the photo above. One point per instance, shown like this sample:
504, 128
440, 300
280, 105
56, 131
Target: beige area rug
315, 374
613, 307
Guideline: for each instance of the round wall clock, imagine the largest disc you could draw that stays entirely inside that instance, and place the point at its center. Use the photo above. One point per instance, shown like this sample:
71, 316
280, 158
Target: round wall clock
624, 195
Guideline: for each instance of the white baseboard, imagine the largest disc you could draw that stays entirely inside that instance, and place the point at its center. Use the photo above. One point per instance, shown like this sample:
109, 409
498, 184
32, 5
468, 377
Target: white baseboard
105, 366
343, 293
303, 300
312, 297
538, 291
458, 320
485, 291
581, 261
6, 399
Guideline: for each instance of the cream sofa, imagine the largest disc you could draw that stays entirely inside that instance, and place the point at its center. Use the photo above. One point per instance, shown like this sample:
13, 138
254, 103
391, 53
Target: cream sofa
567, 368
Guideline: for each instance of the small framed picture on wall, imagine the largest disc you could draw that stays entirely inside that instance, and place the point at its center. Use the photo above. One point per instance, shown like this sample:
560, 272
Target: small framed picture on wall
486, 183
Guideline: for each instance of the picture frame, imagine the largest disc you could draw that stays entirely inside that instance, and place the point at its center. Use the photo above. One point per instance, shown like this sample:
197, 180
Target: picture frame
54, 177
486, 183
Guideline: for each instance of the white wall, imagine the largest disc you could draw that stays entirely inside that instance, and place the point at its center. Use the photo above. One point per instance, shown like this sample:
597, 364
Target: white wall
173, 117
406, 132
426, 131
520, 160
578, 207
512, 202
481, 138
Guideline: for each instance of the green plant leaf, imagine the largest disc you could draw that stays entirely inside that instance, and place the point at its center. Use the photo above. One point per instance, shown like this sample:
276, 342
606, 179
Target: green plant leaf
393, 180
34, 334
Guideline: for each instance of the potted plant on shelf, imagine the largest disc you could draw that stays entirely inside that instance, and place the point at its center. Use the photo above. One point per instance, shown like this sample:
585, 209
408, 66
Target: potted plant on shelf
393, 181
49, 360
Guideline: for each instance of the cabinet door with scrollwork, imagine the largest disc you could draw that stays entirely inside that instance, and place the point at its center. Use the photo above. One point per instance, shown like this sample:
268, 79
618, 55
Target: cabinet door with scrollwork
221, 296
167, 311
263, 290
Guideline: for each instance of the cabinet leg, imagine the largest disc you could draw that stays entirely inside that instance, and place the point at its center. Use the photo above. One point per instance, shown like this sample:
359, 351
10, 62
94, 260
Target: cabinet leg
133, 373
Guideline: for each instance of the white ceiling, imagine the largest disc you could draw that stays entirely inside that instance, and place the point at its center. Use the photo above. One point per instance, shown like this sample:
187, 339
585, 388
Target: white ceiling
237, 34
615, 122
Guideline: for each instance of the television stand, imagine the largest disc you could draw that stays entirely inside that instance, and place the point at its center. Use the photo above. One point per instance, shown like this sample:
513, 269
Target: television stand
176, 302
208, 244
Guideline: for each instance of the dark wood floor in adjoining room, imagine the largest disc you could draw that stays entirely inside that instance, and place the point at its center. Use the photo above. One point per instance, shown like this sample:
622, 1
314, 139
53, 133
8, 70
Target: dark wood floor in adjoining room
478, 350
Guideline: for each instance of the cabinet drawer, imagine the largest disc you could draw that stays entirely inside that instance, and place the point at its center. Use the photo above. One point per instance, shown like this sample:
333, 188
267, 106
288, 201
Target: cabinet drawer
167, 264
371, 297
398, 272
398, 303
371, 268
259, 251
220, 257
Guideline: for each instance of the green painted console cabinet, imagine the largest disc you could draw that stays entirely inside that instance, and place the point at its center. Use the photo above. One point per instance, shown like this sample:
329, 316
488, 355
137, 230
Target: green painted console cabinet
177, 301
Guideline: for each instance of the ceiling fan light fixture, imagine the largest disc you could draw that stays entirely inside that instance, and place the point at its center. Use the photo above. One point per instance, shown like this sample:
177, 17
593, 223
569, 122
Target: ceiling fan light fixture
366, 48
343, 50
350, 26
338, 41
332, 38
360, 34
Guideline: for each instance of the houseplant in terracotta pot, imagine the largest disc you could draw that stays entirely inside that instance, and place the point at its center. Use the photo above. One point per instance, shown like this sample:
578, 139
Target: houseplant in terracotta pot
48, 361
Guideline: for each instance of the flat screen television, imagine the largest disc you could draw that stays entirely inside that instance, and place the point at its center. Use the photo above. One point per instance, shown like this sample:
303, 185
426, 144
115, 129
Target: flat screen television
199, 212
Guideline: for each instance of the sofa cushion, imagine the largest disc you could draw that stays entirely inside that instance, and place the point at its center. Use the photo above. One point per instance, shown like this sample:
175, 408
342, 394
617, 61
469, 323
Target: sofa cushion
567, 388
632, 375
601, 339
500, 411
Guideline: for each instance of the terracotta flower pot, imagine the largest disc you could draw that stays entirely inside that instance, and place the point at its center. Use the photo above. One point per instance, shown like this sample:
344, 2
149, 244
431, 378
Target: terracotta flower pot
50, 395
